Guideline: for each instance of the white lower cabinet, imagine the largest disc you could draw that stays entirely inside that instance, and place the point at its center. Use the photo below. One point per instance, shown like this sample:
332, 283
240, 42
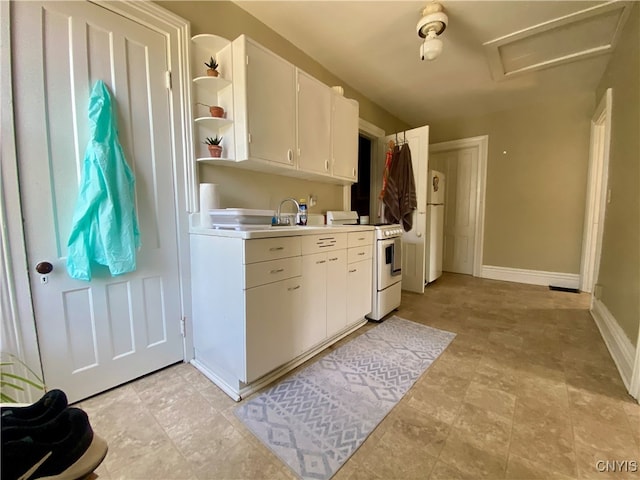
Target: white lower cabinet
359, 277
273, 313
337, 292
314, 319
262, 304
359, 273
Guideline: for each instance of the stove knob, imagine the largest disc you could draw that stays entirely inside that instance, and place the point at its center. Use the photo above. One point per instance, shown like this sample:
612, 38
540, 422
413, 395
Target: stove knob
386, 234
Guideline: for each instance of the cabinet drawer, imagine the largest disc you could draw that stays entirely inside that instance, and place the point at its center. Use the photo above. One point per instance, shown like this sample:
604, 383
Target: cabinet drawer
267, 272
265, 249
357, 239
359, 253
323, 243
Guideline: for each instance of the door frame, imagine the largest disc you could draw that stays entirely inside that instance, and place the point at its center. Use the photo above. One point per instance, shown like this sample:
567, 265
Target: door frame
20, 325
596, 201
481, 143
373, 134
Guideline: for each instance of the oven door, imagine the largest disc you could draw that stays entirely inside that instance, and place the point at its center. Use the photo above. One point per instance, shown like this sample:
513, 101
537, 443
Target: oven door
389, 258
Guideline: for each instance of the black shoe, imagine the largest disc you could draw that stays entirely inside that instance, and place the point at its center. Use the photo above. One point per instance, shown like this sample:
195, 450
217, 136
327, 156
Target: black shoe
64, 448
45, 409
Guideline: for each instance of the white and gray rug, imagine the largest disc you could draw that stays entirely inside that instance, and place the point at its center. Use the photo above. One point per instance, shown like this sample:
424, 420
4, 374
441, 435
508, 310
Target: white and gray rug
317, 418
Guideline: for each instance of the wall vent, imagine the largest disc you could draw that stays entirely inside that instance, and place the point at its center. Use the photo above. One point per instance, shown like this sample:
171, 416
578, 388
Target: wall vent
576, 36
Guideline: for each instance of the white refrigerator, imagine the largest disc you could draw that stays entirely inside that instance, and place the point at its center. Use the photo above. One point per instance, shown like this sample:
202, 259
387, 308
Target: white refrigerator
435, 225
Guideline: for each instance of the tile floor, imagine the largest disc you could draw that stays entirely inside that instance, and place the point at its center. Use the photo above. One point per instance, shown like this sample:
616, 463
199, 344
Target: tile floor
527, 390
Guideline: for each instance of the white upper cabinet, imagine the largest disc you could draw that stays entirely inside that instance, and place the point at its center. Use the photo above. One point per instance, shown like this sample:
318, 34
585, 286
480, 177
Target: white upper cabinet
265, 104
344, 131
289, 123
314, 125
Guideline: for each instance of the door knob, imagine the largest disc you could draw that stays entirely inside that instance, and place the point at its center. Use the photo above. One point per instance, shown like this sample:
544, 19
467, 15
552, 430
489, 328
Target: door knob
44, 268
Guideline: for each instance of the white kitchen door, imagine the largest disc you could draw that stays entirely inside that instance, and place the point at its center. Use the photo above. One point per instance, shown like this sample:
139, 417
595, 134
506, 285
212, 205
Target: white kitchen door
460, 167
95, 335
413, 241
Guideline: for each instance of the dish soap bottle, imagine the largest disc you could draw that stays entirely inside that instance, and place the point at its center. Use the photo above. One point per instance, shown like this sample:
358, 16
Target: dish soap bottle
303, 212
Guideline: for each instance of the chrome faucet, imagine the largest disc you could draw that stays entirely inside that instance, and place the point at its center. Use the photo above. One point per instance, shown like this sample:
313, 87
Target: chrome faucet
279, 219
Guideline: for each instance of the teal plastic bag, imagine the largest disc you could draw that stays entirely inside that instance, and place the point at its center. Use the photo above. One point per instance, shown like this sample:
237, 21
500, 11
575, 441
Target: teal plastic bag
105, 226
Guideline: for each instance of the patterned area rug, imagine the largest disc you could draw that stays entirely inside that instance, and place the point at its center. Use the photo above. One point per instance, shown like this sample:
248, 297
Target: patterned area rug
315, 419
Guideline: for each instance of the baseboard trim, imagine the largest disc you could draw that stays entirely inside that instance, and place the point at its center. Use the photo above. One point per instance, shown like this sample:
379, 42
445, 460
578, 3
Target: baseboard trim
533, 277
620, 347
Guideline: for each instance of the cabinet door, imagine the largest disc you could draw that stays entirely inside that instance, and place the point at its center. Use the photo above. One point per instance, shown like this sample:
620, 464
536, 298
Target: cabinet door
336, 291
358, 290
271, 312
345, 137
311, 327
271, 106
314, 125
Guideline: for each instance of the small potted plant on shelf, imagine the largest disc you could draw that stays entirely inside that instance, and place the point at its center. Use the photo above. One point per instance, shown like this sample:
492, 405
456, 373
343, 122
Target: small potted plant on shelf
212, 66
216, 111
213, 144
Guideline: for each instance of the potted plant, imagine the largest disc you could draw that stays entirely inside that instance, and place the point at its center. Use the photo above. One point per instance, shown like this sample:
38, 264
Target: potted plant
215, 150
216, 111
212, 66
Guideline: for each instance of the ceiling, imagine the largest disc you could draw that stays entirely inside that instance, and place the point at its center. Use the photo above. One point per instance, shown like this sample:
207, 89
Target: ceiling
373, 47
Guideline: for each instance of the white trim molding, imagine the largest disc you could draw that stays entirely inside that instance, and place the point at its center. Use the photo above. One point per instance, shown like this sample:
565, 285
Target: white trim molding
532, 277
19, 335
620, 347
596, 192
482, 144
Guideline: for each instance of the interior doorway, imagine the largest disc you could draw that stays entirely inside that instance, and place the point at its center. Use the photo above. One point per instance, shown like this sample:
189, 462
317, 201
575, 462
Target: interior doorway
596, 192
361, 191
464, 163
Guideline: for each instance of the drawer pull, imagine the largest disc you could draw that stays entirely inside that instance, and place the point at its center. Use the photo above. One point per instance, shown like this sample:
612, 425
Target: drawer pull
275, 249
293, 288
360, 253
320, 261
362, 238
279, 270
333, 259
354, 270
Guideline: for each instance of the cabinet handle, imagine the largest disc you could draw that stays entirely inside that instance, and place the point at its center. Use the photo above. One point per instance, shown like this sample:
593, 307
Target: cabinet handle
360, 253
275, 249
354, 172
361, 238
326, 165
290, 155
320, 261
293, 288
354, 270
279, 270
333, 259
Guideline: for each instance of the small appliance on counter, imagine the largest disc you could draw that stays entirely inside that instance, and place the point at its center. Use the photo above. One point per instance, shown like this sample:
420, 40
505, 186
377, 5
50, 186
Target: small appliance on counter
240, 218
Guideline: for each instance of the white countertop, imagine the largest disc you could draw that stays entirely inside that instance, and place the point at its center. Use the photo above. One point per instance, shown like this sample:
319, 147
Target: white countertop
269, 231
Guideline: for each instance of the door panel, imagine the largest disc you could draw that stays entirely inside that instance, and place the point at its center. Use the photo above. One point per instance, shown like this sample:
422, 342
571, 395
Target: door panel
461, 170
95, 335
413, 242
271, 100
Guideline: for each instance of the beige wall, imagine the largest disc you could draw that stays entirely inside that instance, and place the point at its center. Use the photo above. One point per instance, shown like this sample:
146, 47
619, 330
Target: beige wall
247, 189
619, 274
535, 194
242, 188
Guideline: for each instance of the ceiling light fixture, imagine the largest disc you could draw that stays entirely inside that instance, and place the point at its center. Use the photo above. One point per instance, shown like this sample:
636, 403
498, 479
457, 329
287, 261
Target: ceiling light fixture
430, 27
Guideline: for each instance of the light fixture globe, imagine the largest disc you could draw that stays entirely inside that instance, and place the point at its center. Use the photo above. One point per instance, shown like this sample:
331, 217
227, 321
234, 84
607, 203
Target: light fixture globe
431, 48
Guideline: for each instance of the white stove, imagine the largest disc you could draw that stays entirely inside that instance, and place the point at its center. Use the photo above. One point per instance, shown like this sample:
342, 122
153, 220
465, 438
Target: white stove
387, 263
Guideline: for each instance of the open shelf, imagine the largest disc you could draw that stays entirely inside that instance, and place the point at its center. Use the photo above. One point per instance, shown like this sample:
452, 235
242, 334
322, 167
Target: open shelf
215, 122
212, 84
213, 159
